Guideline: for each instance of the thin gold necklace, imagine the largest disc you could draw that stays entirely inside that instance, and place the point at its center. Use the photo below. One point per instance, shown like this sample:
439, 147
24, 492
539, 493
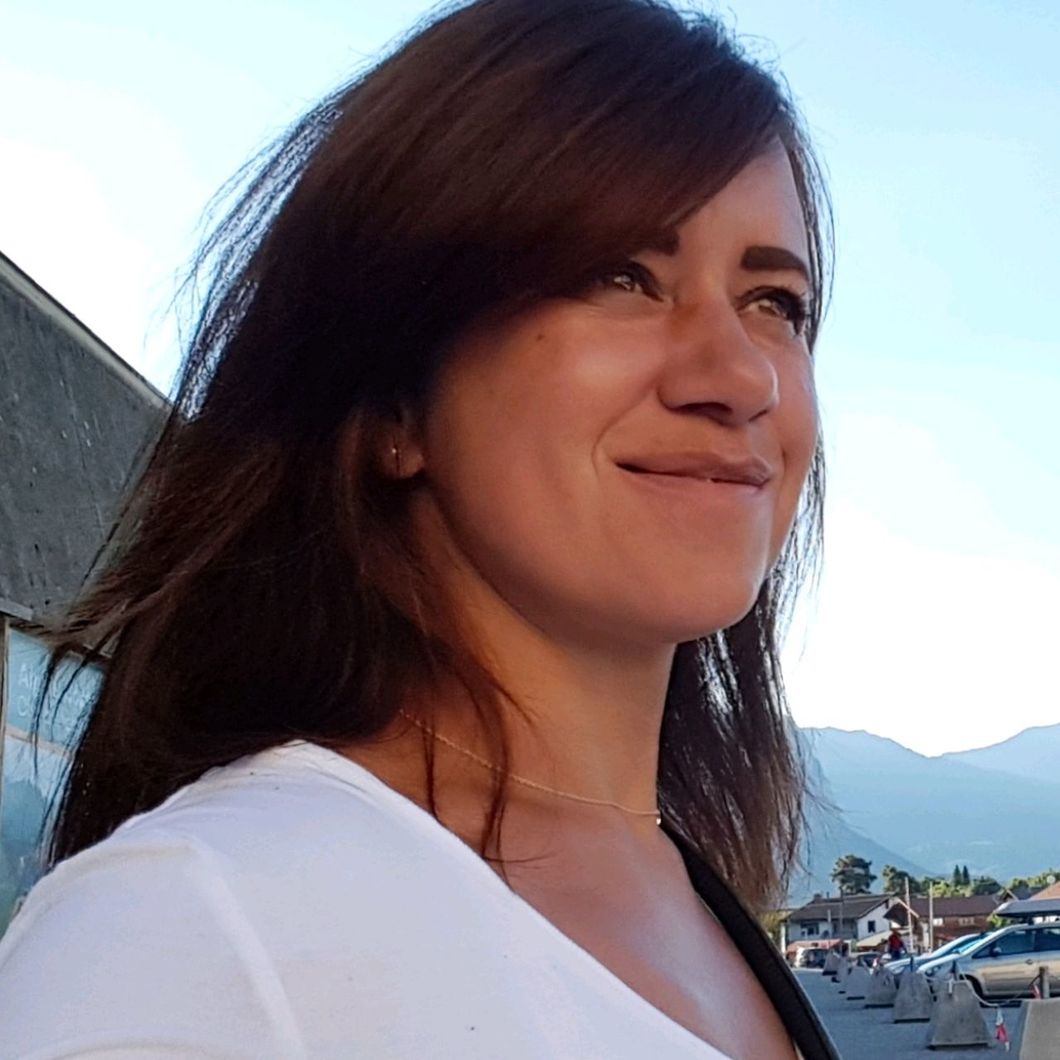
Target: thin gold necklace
530, 783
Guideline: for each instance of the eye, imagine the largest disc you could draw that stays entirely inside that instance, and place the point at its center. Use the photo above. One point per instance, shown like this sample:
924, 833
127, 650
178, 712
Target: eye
631, 277
782, 303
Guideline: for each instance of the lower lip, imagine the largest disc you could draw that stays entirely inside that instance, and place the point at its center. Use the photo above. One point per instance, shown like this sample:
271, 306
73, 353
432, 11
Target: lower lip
696, 488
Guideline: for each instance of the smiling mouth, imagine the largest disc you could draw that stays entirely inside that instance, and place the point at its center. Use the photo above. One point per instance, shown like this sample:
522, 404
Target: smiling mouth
751, 476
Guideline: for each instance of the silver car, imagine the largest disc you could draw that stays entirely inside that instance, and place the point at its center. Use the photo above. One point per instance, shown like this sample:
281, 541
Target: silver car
1005, 963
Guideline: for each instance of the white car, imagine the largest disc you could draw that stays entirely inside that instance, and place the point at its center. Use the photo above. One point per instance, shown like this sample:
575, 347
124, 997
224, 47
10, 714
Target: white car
950, 949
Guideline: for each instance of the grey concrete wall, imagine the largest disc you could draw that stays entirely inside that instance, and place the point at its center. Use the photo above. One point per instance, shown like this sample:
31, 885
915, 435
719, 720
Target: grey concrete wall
73, 420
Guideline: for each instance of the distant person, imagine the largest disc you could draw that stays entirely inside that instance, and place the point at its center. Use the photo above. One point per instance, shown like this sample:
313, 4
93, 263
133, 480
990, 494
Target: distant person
895, 945
457, 572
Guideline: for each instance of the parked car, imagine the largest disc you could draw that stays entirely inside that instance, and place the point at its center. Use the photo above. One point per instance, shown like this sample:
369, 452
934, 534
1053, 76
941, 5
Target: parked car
950, 949
1005, 963
867, 960
810, 957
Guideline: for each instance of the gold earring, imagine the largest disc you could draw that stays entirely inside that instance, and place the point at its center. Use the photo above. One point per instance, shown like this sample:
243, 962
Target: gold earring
396, 453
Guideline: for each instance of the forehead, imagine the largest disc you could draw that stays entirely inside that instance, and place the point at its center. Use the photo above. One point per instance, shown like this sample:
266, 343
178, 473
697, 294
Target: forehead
758, 207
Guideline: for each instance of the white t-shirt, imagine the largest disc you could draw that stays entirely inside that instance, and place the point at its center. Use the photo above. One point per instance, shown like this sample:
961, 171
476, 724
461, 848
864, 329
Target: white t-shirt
293, 905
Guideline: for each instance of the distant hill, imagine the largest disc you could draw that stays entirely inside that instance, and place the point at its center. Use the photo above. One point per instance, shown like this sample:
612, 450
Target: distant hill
1032, 753
829, 837
940, 811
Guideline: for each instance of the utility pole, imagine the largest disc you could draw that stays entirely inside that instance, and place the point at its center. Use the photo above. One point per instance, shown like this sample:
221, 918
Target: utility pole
931, 916
909, 916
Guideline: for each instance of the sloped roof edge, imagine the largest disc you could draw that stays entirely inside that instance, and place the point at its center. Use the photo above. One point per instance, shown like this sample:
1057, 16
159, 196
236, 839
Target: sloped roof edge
37, 296
852, 905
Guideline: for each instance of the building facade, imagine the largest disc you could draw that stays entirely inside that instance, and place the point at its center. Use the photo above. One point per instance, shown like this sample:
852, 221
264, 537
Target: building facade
74, 421
945, 919
850, 917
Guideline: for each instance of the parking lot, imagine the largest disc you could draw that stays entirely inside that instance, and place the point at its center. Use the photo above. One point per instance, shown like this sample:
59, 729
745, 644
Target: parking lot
870, 1034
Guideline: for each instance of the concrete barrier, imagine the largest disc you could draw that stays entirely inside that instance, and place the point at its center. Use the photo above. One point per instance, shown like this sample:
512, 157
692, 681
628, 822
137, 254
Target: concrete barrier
913, 1001
831, 963
956, 1019
1041, 1030
841, 973
882, 990
858, 983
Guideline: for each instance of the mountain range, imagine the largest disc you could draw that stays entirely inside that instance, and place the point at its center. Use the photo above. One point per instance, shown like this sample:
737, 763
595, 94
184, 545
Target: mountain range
1033, 753
995, 809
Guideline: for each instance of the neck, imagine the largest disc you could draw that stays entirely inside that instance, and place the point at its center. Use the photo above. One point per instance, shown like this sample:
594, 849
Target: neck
592, 721
583, 719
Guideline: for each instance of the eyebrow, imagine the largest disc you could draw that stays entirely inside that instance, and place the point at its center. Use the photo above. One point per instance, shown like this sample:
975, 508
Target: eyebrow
755, 259
773, 259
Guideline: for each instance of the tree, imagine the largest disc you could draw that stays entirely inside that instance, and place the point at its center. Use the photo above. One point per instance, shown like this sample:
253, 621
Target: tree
966, 880
941, 887
956, 880
853, 875
1044, 879
894, 881
773, 922
984, 885
1035, 883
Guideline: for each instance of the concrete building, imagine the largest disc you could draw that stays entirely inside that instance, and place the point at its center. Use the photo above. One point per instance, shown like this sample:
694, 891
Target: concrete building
74, 418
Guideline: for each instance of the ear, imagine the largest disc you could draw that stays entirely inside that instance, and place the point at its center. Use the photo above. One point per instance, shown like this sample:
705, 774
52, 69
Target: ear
402, 455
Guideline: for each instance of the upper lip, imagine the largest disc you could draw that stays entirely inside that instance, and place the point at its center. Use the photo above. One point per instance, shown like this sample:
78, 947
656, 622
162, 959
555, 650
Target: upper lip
716, 467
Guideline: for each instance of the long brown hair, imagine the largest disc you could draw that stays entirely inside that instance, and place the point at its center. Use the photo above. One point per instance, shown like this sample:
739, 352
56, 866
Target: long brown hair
262, 584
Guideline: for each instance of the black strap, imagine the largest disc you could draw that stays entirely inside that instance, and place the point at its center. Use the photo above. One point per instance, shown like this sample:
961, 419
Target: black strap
756, 947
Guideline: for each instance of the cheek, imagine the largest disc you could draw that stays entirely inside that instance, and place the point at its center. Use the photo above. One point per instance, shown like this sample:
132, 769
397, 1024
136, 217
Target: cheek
796, 412
512, 445
799, 428
802, 416
536, 399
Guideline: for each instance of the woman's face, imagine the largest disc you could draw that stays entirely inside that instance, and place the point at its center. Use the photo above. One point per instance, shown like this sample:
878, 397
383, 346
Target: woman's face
624, 466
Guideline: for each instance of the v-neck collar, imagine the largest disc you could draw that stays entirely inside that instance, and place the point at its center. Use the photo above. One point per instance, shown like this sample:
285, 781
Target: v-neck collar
750, 939
561, 944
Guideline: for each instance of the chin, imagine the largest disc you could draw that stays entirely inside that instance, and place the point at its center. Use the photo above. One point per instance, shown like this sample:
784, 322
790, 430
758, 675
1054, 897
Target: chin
684, 618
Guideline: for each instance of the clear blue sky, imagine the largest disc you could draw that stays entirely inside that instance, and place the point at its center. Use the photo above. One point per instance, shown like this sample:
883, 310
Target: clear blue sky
939, 368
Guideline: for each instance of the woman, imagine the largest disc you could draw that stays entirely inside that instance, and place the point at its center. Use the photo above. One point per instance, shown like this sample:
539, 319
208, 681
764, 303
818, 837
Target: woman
456, 572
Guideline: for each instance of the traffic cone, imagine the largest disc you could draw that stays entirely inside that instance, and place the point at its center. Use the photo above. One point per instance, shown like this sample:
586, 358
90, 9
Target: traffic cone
1001, 1031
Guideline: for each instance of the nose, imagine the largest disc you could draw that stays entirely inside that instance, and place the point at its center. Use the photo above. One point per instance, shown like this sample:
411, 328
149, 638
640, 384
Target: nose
715, 369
